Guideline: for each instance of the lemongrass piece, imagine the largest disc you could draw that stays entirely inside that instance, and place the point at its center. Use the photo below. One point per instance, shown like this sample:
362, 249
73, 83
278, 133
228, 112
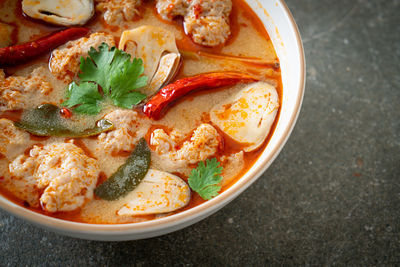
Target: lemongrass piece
223, 57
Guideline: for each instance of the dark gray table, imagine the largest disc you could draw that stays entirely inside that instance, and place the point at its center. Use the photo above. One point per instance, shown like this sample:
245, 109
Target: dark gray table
333, 194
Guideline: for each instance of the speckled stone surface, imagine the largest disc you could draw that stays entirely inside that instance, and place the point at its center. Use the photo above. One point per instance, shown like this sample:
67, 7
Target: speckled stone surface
332, 197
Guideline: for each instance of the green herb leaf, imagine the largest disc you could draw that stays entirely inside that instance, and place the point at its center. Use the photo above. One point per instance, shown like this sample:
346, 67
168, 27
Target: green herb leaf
127, 77
117, 76
129, 100
205, 178
126, 80
96, 67
128, 176
46, 120
84, 98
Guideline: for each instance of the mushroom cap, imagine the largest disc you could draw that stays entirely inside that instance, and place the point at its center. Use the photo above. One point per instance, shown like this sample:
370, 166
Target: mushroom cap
157, 48
247, 117
159, 192
60, 12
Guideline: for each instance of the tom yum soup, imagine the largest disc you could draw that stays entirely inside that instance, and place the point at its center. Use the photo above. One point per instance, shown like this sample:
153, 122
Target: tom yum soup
126, 111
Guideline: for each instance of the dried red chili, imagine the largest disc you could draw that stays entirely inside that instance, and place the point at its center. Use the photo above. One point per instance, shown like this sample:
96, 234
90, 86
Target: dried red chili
17, 54
158, 103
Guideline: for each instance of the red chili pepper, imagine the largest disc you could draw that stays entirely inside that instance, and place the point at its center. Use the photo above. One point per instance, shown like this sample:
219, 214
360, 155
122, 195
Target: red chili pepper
158, 103
22, 53
66, 113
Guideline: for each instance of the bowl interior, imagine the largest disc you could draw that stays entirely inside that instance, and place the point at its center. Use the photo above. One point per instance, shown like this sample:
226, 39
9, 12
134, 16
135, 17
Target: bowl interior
286, 39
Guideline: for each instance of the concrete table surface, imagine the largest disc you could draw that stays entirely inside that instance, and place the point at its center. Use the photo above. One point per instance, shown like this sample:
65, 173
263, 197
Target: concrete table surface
333, 194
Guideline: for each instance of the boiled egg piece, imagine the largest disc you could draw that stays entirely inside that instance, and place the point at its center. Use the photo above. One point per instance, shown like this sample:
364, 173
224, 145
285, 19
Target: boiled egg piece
159, 192
60, 12
247, 117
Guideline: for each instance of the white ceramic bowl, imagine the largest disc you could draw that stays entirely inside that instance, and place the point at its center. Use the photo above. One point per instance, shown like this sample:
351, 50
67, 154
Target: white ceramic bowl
286, 38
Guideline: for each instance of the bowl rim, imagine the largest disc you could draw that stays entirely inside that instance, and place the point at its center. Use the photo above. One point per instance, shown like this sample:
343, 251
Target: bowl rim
200, 211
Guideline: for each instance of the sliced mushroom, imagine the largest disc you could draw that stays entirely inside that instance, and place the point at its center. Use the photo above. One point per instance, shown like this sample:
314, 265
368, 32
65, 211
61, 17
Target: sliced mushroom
248, 116
167, 68
60, 12
159, 192
157, 48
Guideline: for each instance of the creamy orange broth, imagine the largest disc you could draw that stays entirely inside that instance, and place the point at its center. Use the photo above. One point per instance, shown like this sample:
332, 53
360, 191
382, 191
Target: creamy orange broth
185, 115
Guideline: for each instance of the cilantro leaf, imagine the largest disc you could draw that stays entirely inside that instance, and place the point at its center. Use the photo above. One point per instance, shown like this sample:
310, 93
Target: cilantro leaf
120, 59
205, 178
96, 67
85, 98
126, 80
129, 100
117, 76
